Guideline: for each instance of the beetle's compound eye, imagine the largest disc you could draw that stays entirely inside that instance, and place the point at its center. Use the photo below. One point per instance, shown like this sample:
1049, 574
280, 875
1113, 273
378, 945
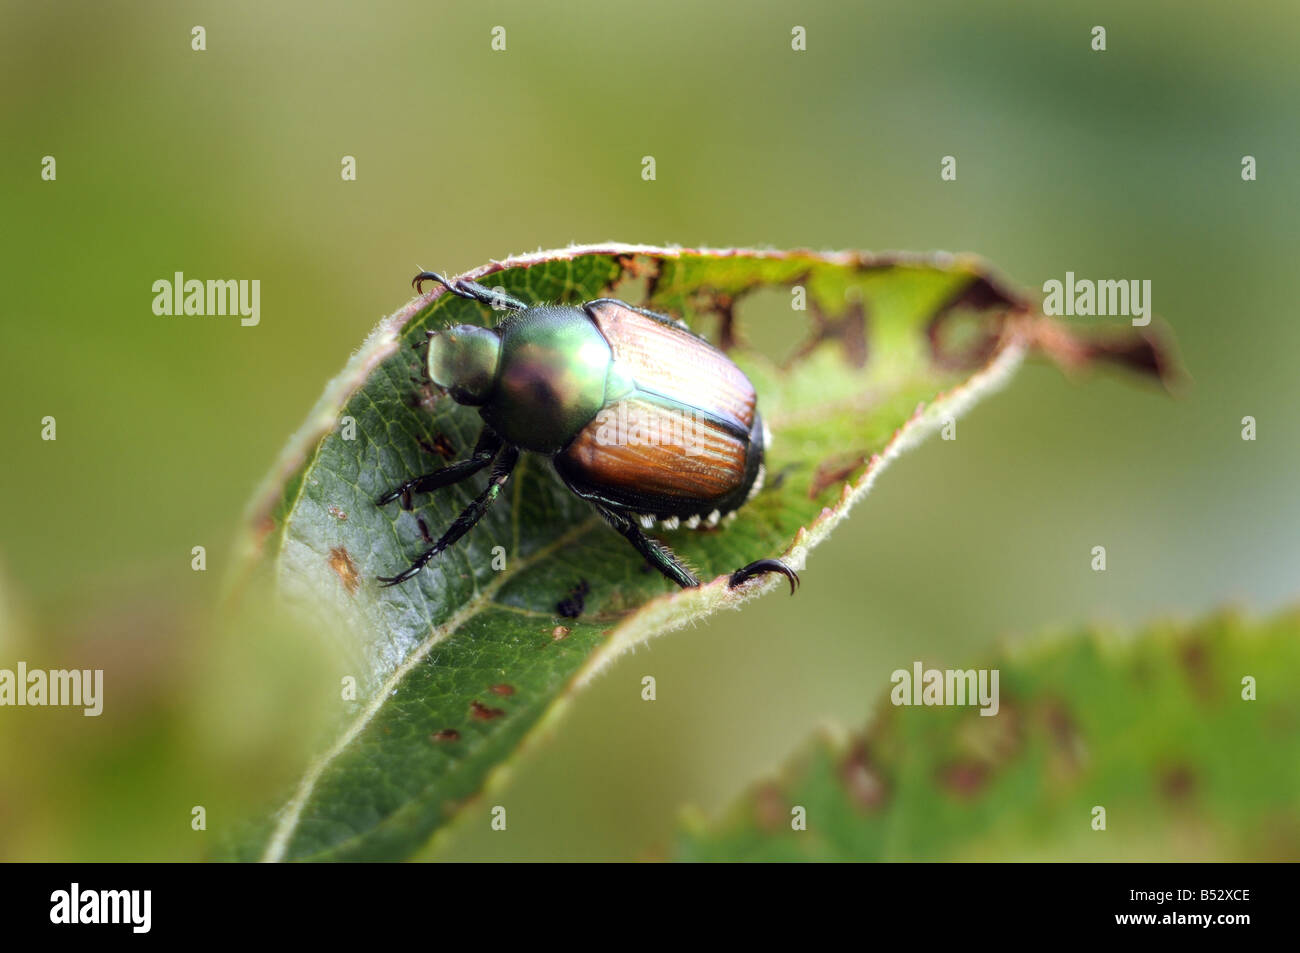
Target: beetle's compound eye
464, 359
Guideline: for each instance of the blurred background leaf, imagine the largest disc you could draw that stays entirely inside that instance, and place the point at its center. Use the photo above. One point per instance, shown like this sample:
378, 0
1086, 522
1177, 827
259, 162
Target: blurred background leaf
1155, 729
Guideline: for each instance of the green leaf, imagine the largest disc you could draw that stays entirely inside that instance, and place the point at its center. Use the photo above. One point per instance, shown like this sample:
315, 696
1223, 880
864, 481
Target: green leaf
1153, 729
465, 663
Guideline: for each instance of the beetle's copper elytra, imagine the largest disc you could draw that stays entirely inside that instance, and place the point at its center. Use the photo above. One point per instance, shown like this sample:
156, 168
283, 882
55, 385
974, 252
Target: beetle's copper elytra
640, 416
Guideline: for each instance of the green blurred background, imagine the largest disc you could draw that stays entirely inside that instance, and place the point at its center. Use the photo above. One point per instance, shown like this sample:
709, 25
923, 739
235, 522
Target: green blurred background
226, 163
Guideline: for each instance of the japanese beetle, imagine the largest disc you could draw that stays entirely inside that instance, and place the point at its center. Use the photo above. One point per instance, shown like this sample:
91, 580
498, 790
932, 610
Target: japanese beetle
640, 416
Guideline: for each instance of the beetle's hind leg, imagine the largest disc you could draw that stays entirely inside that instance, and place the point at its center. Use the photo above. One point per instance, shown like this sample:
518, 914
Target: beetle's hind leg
469, 289
463, 523
654, 552
487, 447
761, 567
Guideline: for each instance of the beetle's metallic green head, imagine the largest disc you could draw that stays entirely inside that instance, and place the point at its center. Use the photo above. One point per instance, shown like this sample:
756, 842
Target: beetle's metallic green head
465, 359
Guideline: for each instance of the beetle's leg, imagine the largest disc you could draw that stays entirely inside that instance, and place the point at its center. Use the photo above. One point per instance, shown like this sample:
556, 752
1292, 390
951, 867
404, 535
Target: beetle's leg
486, 448
654, 552
471, 290
493, 299
761, 567
505, 462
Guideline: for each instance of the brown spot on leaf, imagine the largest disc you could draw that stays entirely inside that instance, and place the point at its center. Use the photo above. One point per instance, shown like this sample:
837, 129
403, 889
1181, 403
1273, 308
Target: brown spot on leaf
447, 734
1177, 782
637, 266
1194, 655
480, 712
770, 811
559, 632
982, 301
724, 306
1142, 354
862, 780
341, 562
654, 270
834, 470
1067, 752
849, 330
1144, 351
504, 690
337, 513
1061, 728
983, 294
424, 396
964, 778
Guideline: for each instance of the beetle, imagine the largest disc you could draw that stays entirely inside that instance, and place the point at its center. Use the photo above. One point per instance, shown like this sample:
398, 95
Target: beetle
565, 382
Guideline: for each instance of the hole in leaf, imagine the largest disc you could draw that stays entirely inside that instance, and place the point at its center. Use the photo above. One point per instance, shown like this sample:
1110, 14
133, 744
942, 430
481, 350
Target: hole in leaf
766, 323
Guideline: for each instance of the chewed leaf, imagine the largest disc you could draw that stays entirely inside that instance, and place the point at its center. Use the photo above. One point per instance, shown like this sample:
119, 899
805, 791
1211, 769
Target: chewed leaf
1178, 745
462, 664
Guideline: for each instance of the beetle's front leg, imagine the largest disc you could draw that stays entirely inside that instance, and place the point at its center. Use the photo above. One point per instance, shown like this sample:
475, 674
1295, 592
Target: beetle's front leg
654, 552
463, 523
469, 289
487, 447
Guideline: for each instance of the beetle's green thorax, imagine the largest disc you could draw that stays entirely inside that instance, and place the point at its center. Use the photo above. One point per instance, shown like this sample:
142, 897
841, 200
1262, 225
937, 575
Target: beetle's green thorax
554, 366
465, 360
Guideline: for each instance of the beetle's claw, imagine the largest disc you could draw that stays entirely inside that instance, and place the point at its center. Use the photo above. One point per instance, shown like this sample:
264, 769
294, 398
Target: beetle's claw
418, 281
387, 582
400, 492
761, 567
